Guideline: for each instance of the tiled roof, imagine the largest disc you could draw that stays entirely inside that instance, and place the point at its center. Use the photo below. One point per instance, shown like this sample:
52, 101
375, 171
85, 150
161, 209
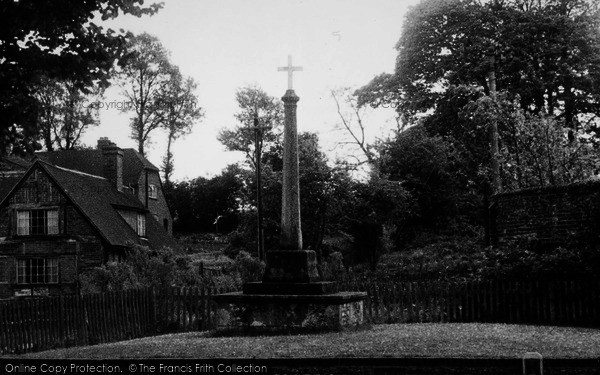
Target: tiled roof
157, 235
90, 161
95, 197
7, 183
78, 173
101, 212
14, 162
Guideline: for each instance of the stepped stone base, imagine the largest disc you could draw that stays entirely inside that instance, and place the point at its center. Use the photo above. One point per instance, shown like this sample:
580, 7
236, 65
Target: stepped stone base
247, 314
315, 288
290, 299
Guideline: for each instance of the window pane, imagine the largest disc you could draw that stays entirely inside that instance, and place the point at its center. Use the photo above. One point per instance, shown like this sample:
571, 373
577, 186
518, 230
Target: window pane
37, 222
37, 271
52, 216
52, 270
141, 225
22, 223
152, 191
21, 271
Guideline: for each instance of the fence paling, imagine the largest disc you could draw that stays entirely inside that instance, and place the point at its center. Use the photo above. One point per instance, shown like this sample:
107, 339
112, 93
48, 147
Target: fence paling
41, 323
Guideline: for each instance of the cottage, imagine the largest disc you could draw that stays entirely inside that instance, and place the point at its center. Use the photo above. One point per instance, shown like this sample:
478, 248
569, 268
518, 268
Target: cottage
74, 210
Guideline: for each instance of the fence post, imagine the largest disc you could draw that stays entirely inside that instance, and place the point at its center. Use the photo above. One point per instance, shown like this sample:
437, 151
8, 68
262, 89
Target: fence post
154, 302
533, 364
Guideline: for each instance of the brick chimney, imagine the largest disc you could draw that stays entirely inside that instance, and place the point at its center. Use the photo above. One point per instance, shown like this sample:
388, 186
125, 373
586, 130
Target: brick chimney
112, 162
103, 142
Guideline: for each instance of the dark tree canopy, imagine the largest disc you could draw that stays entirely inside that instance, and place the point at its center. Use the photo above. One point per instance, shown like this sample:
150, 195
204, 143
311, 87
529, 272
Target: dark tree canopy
546, 52
57, 39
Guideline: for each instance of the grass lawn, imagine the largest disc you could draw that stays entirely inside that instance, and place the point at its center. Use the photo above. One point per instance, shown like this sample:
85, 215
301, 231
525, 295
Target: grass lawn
392, 340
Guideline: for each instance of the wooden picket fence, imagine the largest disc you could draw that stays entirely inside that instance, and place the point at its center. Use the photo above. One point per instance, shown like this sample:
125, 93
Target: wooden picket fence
556, 302
33, 324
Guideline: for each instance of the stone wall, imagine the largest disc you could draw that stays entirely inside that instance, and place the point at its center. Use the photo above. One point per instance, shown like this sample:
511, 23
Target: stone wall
553, 215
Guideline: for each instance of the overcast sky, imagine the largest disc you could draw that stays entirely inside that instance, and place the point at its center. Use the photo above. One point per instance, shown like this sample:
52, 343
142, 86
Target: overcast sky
227, 44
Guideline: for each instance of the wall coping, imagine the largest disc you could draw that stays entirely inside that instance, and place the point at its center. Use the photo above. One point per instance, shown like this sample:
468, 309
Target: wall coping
584, 185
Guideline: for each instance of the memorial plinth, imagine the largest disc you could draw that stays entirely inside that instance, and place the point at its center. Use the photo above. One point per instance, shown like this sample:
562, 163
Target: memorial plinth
291, 297
260, 314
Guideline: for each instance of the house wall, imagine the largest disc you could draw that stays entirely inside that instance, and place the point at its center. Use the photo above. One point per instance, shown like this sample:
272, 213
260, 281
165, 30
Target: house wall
157, 206
554, 215
77, 246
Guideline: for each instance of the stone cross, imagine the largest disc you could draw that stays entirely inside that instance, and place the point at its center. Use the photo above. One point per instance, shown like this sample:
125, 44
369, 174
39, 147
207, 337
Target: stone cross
291, 233
290, 69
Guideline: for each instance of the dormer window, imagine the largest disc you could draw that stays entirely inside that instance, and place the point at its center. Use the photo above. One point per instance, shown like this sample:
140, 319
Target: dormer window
141, 225
37, 222
152, 191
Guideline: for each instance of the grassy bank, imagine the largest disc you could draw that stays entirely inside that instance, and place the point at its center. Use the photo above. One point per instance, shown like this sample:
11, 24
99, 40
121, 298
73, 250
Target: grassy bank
393, 340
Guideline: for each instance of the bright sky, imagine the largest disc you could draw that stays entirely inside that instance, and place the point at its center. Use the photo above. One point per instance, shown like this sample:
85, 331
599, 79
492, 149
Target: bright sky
228, 44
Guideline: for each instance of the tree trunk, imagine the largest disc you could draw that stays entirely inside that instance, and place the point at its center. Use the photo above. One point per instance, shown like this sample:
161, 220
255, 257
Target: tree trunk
168, 168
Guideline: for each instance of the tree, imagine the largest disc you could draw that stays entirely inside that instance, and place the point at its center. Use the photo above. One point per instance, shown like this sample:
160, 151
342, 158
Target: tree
545, 52
253, 100
65, 112
535, 149
431, 169
322, 191
146, 78
181, 112
59, 40
351, 118
197, 203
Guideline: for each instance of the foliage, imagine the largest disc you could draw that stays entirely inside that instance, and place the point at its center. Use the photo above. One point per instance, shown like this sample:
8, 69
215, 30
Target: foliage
536, 151
455, 253
322, 190
200, 203
459, 253
332, 267
141, 267
65, 112
145, 79
376, 208
58, 40
544, 52
180, 111
249, 267
526, 257
431, 169
252, 100
145, 268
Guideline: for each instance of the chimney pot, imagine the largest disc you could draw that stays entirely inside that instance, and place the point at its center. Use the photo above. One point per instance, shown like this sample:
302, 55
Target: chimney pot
112, 168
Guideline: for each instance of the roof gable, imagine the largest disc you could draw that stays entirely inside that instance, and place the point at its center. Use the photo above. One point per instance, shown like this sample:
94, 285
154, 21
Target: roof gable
98, 200
7, 183
95, 197
91, 161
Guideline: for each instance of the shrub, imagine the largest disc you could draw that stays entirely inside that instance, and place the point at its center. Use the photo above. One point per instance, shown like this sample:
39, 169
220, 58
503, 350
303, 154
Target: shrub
249, 268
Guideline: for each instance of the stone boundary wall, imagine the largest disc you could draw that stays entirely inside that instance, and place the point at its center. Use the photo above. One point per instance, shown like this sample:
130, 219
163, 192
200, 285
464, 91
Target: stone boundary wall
556, 215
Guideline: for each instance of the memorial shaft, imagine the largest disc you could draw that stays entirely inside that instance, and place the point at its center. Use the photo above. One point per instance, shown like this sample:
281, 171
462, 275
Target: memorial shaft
291, 232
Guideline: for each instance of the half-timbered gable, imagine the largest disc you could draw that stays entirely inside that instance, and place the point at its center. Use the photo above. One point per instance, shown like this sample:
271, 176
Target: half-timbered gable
56, 223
